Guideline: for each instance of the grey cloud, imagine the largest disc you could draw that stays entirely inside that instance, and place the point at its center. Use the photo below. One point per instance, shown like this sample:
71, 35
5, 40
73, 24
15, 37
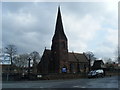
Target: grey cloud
0, 24
43, 27
82, 8
14, 6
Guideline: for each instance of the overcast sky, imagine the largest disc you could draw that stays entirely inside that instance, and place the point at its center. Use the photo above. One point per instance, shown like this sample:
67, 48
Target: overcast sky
89, 26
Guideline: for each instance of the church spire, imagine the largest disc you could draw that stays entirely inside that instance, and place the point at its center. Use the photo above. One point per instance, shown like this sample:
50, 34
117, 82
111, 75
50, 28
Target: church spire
59, 46
59, 30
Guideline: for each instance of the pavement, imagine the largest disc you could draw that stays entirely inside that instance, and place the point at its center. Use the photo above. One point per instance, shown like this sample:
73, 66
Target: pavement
106, 82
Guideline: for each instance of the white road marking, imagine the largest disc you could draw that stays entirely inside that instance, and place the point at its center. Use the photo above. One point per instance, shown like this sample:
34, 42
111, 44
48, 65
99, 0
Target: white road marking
41, 87
76, 86
82, 87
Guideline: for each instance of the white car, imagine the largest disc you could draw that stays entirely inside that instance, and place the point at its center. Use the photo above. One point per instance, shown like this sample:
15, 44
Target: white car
96, 73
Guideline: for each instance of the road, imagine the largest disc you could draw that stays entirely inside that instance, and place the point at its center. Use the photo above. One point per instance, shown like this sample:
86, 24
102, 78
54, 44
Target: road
107, 82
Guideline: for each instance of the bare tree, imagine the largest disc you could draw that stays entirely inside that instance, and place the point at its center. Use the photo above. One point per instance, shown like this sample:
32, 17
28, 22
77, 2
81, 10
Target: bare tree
91, 57
110, 64
118, 54
1, 56
108, 60
35, 57
11, 50
21, 61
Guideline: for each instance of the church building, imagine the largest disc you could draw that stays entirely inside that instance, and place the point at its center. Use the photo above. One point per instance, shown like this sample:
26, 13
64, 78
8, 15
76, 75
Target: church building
58, 59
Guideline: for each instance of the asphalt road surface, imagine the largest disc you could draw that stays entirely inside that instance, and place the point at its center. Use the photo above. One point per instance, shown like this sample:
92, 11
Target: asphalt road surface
106, 82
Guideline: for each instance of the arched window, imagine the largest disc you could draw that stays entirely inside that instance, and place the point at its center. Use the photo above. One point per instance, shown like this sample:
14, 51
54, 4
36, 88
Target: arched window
71, 67
78, 67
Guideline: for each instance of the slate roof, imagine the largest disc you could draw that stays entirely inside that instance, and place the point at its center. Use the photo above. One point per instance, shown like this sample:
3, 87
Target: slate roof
46, 56
47, 52
73, 57
77, 57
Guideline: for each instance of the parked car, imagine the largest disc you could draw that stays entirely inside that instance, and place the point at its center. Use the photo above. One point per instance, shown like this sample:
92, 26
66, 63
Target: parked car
96, 73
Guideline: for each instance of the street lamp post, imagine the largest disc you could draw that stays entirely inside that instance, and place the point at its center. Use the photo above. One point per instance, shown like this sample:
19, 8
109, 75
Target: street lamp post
89, 62
29, 59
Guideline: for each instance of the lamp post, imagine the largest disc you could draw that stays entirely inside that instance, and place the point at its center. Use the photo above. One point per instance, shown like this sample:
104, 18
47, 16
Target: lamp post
89, 62
29, 59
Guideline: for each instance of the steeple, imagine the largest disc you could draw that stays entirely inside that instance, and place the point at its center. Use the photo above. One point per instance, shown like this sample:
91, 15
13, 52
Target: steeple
59, 30
59, 47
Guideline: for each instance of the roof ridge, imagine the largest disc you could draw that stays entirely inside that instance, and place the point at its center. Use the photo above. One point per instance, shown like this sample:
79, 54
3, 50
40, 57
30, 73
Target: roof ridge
47, 49
75, 56
75, 53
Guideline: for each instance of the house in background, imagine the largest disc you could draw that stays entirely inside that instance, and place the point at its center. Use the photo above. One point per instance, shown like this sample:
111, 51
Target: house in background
98, 64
